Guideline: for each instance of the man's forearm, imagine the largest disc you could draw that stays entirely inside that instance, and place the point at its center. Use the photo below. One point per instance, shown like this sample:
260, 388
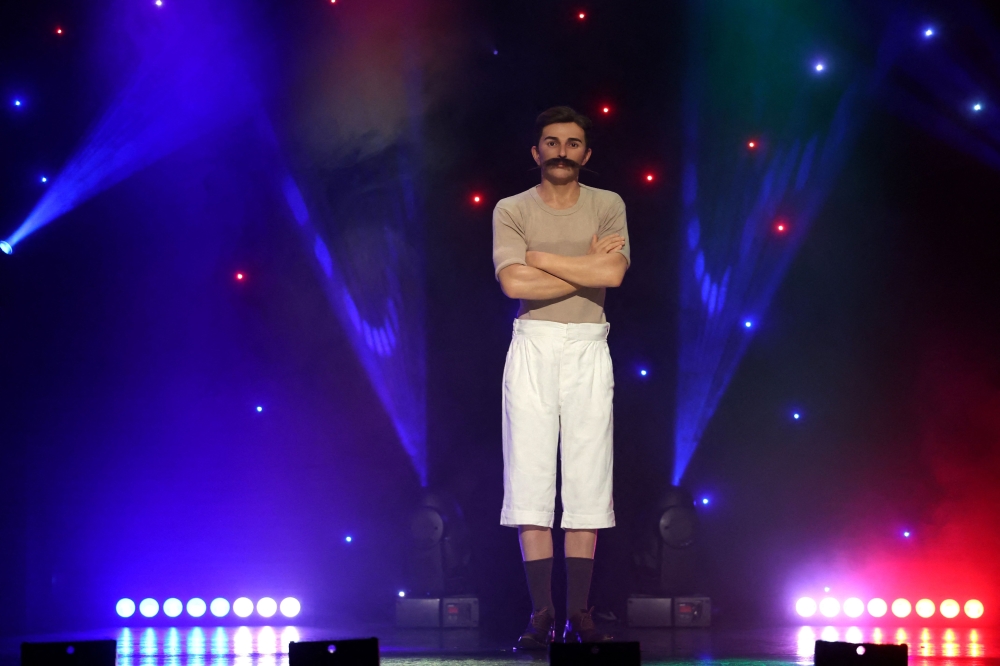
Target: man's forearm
532, 284
592, 270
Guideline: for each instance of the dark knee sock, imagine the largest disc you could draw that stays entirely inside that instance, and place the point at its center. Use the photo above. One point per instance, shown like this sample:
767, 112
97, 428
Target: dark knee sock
579, 571
539, 574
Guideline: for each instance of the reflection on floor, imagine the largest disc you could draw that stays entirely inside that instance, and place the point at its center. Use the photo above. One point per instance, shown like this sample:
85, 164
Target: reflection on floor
268, 646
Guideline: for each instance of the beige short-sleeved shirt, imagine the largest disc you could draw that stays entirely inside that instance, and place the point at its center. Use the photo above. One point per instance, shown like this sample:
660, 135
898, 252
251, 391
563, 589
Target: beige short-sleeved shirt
524, 222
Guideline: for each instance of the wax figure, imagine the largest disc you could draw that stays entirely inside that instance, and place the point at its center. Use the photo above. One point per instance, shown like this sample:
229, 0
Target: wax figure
557, 247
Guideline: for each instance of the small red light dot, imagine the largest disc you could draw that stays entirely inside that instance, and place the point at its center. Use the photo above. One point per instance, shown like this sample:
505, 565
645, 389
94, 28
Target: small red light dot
606, 110
752, 144
649, 177
477, 198
239, 276
58, 31
582, 16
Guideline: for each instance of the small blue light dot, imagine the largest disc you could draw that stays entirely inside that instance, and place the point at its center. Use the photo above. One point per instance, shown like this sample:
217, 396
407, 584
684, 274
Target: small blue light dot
6, 247
259, 408
496, 52
44, 179
348, 539
704, 500
748, 324
906, 534
796, 416
17, 102
402, 594
929, 32
820, 67
642, 372
977, 107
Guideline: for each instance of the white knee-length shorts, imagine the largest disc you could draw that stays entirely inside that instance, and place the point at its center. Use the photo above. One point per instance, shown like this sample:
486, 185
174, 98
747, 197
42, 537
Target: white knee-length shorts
557, 392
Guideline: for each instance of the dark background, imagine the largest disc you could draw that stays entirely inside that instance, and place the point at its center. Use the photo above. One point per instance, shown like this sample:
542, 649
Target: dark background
133, 462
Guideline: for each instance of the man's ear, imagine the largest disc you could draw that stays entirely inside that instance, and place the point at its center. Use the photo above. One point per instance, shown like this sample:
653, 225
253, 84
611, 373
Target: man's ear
534, 153
586, 156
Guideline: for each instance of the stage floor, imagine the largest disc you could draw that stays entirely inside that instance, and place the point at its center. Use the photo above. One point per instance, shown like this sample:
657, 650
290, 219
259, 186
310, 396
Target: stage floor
267, 646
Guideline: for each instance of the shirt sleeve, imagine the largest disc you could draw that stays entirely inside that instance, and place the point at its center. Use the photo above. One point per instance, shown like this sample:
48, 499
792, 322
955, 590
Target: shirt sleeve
509, 245
614, 223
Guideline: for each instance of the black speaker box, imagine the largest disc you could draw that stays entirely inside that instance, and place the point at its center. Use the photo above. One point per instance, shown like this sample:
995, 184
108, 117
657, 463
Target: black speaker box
77, 653
859, 654
355, 652
594, 654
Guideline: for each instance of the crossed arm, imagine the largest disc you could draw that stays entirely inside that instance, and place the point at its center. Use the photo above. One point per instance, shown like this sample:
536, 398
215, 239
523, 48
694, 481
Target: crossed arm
549, 276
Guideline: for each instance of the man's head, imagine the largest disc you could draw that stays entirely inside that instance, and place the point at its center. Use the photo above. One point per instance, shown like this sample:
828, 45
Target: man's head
563, 143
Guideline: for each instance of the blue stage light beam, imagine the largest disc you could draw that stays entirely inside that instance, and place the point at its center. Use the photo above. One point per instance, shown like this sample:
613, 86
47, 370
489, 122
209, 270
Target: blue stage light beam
192, 83
732, 260
374, 285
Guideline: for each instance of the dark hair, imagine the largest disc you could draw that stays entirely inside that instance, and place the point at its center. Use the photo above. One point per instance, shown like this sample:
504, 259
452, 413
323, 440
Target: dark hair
563, 114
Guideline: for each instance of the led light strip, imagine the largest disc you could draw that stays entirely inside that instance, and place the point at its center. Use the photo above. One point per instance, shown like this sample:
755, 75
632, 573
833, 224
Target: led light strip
242, 607
854, 608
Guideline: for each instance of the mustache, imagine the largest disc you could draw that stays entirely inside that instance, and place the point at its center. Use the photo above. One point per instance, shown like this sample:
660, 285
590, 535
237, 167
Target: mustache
563, 161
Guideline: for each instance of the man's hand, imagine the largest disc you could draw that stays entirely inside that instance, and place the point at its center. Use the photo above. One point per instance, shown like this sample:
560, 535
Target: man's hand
606, 245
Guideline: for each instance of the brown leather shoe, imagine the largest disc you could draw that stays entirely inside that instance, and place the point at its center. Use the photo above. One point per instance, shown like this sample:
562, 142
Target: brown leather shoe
580, 629
539, 633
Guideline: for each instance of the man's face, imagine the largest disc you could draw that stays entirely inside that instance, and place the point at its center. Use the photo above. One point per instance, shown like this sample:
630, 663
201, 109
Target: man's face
561, 152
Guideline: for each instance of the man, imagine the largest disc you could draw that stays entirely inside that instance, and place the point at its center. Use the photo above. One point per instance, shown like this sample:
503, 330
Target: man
557, 247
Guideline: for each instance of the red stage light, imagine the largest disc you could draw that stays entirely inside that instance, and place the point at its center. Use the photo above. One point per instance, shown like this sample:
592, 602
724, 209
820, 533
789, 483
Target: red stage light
752, 144
239, 276
58, 30
476, 198
649, 177
582, 16
606, 109
780, 228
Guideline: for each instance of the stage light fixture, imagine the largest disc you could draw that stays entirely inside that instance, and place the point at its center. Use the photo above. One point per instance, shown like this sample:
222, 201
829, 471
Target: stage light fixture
17, 102
259, 409
747, 324
829, 607
649, 178
605, 109
240, 276
243, 607
44, 179
267, 607
901, 608
402, 595
125, 608
476, 198
172, 607
59, 30
877, 607
854, 607
752, 144
348, 538
977, 107
806, 606
6, 248
950, 608
643, 373
796, 416
496, 52
929, 32
925, 608
704, 500
582, 16
820, 67
149, 607
219, 607
290, 607
780, 227
196, 607
826, 589
906, 534
974, 609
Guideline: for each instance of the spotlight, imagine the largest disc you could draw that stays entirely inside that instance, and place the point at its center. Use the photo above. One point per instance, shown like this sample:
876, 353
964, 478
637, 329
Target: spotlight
643, 373
172, 607
606, 109
854, 607
796, 416
158, 3
901, 608
820, 67
125, 608
59, 30
877, 607
925, 608
267, 607
704, 500
806, 606
348, 539
977, 107
17, 102
219, 607
752, 144
259, 409
747, 324
581, 16
950, 608
44, 179
906, 534
829, 607
476, 198
149, 607
243, 607
649, 178
780, 227
6, 247
196, 607
402, 594
974, 609
929, 32
240, 276
496, 52
290, 607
